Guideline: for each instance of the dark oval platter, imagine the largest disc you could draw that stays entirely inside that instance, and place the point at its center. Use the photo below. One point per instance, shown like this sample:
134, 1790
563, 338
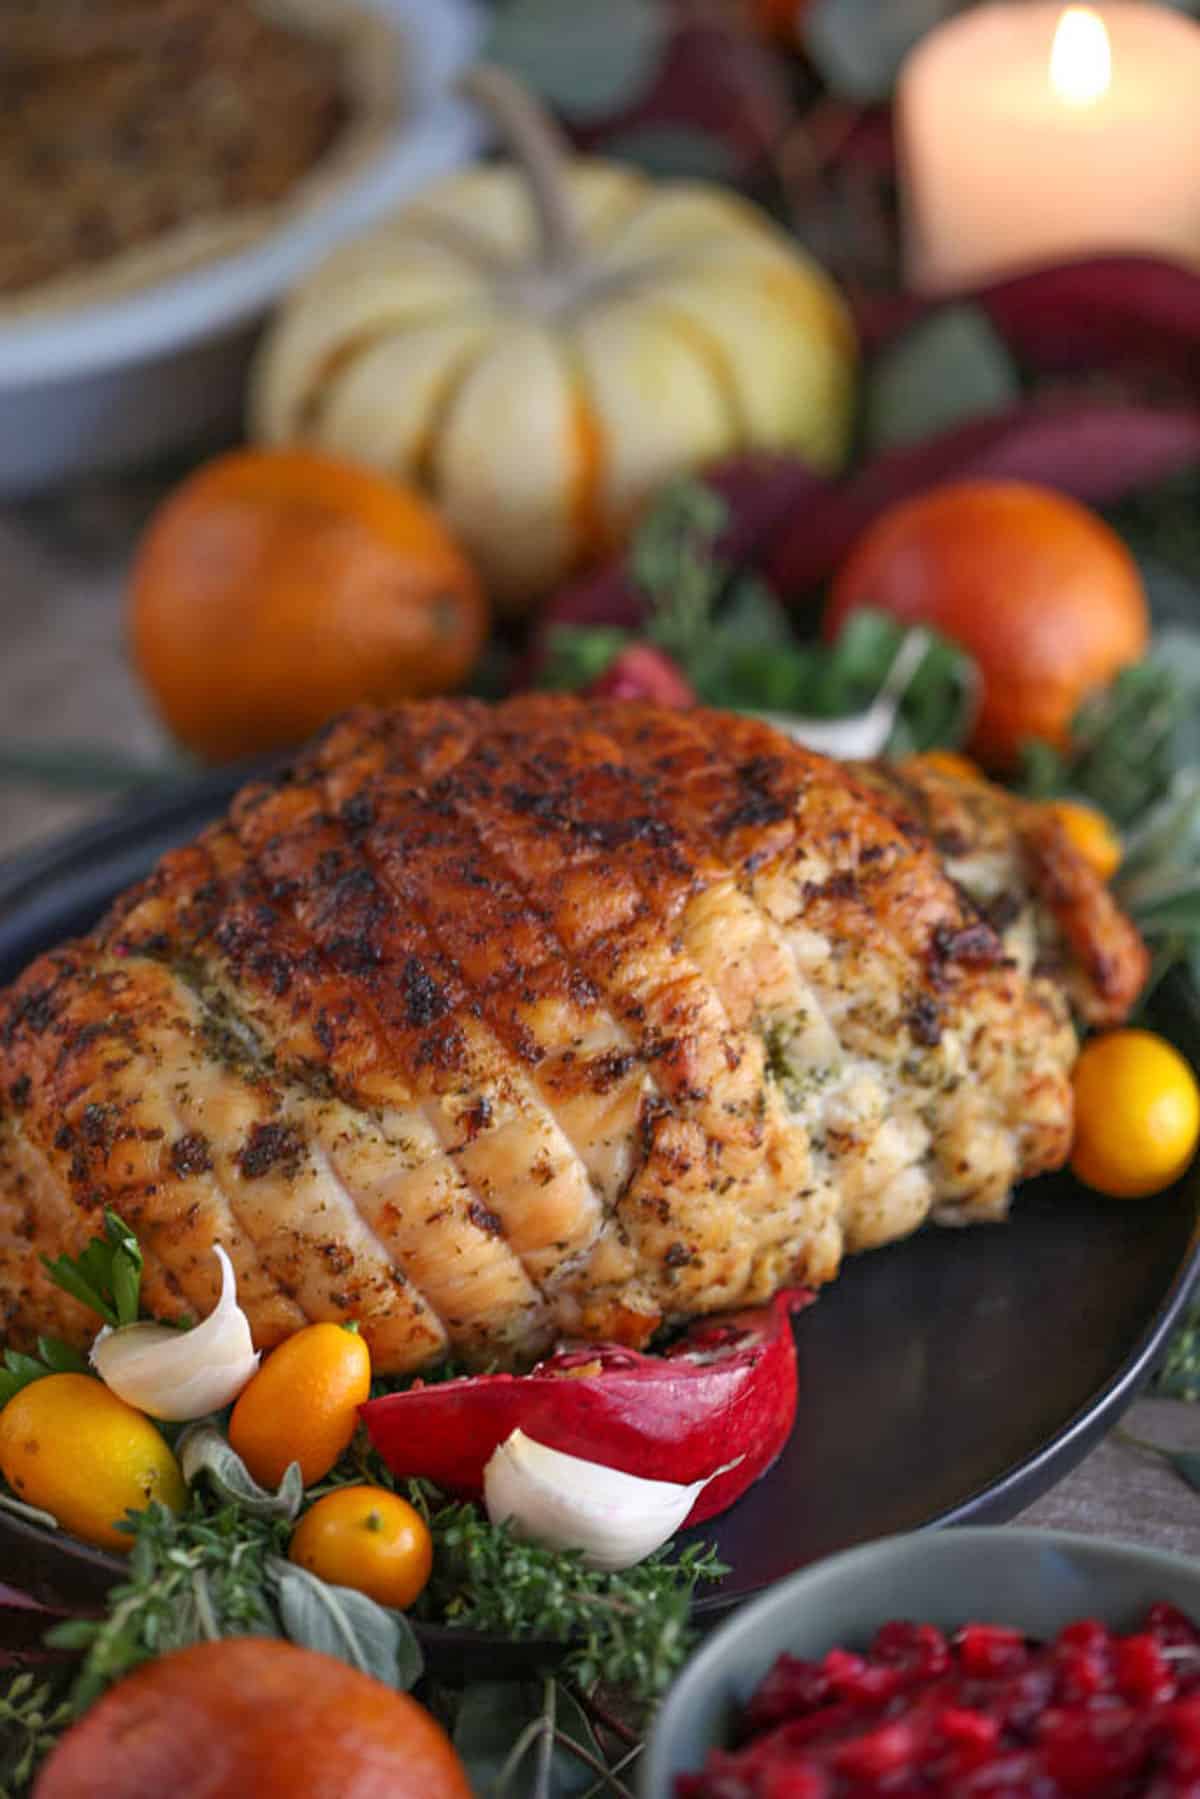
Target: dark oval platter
953, 1376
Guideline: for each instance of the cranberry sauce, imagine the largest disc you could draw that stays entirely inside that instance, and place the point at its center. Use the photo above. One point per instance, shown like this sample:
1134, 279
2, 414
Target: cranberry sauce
985, 1714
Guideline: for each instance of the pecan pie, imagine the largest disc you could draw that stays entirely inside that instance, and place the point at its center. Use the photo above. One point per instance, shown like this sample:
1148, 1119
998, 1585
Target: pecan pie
140, 136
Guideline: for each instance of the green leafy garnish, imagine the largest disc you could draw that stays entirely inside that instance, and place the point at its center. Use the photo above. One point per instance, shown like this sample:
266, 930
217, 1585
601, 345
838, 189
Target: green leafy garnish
631, 1629
53, 1357
33, 1715
1123, 755
1132, 754
733, 640
107, 1277
219, 1571
533, 1740
205, 1450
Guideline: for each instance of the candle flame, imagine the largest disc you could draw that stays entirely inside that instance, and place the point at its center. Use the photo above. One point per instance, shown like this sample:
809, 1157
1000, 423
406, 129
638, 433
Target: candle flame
1080, 59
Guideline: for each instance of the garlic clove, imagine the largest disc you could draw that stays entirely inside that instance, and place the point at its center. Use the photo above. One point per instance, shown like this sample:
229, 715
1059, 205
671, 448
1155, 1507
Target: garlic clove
565, 1502
861, 736
176, 1374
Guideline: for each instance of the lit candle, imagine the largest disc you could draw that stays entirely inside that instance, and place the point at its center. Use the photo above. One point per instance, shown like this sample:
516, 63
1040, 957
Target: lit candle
1030, 133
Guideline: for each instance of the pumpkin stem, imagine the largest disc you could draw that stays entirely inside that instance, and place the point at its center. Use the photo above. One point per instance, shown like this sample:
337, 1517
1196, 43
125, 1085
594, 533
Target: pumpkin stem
539, 150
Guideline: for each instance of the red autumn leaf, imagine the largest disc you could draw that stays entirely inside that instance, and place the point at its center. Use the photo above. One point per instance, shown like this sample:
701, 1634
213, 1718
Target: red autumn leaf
1105, 313
1096, 453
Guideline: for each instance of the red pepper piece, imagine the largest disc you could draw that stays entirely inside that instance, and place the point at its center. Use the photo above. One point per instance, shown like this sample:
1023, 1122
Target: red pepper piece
725, 1393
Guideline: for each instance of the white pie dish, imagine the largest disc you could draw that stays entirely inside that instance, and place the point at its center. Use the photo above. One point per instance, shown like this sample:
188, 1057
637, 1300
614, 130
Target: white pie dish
100, 386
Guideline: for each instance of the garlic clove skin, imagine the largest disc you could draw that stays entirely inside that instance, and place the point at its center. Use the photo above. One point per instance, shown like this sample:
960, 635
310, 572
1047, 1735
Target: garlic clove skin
180, 1375
564, 1502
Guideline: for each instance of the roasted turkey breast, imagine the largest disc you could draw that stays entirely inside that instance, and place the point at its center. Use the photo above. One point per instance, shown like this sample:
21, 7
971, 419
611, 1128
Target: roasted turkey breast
485, 1027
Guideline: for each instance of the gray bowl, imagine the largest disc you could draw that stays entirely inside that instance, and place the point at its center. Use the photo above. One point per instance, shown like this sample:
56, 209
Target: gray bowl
1034, 1580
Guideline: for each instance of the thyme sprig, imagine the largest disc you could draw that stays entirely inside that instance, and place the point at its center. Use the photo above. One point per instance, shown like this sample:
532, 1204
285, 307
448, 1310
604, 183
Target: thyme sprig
33, 1715
191, 1579
630, 1629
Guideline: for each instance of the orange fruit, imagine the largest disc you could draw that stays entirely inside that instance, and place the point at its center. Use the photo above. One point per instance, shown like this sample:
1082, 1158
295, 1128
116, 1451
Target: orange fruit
1040, 591
253, 1715
367, 1538
70, 1446
1092, 835
302, 1405
946, 762
1137, 1114
275, 588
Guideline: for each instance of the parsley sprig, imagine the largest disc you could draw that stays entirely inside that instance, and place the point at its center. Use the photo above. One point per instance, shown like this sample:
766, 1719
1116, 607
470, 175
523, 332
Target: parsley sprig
107, 1277
53, 1357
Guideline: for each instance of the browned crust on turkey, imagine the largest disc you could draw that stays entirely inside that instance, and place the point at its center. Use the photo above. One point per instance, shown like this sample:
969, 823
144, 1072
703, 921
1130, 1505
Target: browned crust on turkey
1013, 855
486, 1026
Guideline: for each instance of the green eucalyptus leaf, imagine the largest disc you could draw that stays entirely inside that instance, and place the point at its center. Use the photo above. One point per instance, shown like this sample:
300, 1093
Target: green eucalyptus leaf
858, 45
500, 1730
492, 1717
951, 367
573, 1724
205, 1450
348, 1625
673, 152
586, 61
1185, 1462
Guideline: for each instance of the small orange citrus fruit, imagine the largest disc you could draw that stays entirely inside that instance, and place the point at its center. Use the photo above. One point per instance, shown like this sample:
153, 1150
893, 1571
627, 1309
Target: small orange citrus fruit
946, 762
275, 588
1137, 1114
302, 1405
367, 1538
1092, 835
73, 1448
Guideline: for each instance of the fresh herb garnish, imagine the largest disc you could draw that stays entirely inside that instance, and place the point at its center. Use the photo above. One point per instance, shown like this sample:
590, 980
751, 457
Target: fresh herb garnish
219, 1571
1132, 756
630, 1629
107, 1277
735, 644
191, 1579
33, 1715
53, 1357
1122, 755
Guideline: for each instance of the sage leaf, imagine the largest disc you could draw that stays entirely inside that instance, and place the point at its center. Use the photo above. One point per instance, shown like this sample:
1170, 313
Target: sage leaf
338, 1621
944, 371
1186, 1462
32, 1514
203, 1449
586, 61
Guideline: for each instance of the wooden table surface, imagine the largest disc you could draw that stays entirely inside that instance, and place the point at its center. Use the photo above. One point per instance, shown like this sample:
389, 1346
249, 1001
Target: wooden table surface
64, 677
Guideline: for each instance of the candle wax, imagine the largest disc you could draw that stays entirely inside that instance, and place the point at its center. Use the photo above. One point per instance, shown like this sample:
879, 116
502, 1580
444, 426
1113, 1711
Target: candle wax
1001, 172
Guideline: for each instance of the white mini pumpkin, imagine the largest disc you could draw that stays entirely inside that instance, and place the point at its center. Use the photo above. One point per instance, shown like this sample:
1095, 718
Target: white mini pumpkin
540, 345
